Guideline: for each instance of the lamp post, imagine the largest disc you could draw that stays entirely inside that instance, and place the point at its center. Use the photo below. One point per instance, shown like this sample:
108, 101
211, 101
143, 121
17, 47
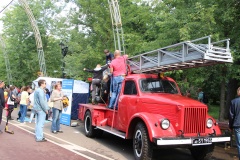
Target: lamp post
64, 50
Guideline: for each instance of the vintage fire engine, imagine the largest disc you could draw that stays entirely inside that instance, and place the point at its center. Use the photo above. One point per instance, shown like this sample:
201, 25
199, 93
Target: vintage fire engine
151, 110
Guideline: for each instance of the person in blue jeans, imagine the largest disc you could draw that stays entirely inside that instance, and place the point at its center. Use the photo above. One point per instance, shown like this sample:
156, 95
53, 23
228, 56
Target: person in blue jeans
234, 119
41, 109
23, 103
57, 98
118, 70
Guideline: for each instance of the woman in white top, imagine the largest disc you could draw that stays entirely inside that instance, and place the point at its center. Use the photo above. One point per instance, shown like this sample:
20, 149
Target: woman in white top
23, 103
56, 98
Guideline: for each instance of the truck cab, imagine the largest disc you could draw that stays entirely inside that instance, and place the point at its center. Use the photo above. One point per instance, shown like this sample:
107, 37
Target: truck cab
152, 112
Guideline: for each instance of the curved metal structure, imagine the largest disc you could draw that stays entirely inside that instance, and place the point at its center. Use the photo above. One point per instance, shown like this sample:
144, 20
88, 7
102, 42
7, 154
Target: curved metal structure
8, 70
116, 25
37, 37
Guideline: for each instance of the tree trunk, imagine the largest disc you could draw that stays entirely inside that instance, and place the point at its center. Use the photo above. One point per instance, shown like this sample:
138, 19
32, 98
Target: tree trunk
222, 101
231, 94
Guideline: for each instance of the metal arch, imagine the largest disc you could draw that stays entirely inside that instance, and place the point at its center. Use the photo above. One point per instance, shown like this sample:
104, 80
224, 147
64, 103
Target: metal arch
8, 70
38, 39
116, 25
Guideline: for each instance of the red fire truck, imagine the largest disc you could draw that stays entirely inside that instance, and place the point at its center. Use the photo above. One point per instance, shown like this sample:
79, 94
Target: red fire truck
151, 110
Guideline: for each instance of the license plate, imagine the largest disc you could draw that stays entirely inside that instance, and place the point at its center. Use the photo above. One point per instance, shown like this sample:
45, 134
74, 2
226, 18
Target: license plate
201, 141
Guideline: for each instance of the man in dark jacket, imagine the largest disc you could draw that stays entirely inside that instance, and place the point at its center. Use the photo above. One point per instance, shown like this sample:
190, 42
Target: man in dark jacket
109, 56
234, 119
97, 78
2, 100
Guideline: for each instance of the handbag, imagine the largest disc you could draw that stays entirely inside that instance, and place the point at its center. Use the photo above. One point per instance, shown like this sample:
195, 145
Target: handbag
50, 104
10, 102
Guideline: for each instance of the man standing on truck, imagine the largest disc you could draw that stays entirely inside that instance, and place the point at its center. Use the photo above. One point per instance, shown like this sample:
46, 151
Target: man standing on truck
234, 119
118, 70
97, 78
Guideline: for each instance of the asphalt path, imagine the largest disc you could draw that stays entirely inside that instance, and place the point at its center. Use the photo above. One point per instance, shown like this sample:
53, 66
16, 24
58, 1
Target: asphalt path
74, 145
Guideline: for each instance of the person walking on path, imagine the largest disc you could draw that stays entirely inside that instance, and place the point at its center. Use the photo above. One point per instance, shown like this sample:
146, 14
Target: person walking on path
2, 101
41, 108
118, 70
56, 98
97, 78
11, 107
234, 119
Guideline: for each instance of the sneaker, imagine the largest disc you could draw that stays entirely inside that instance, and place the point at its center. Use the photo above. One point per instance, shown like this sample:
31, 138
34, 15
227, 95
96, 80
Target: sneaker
60, 131
42, 140
54, 132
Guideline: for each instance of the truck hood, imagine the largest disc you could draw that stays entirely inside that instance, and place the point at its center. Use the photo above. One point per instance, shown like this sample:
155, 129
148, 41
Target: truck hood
169, 99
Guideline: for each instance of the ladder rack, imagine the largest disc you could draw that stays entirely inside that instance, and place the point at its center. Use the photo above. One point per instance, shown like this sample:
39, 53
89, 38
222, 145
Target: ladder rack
188, 54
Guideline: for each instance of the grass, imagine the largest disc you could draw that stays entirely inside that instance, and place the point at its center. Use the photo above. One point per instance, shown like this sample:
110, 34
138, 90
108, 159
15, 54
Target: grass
213, 110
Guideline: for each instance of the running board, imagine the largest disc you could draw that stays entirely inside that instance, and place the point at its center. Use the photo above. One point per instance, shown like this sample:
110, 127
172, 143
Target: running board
112, 131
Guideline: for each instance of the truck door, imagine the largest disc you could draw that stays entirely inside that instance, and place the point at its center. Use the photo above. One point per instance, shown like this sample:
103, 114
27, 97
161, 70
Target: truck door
127, 103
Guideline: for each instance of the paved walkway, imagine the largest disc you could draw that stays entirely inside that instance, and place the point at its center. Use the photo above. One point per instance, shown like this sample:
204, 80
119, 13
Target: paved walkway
22, 146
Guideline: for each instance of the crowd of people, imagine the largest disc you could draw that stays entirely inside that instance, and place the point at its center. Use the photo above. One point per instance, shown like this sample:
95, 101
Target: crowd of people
38, 101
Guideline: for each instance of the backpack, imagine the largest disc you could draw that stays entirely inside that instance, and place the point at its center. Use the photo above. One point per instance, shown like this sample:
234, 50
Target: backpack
205, 98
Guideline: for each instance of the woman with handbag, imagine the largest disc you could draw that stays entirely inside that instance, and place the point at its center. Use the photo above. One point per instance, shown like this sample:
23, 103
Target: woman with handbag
56, 98
10, 102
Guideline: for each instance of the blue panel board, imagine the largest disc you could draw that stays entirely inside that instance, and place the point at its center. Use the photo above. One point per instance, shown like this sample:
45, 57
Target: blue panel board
78, 98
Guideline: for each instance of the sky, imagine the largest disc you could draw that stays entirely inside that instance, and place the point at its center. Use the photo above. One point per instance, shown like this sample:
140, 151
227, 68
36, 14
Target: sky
3, 3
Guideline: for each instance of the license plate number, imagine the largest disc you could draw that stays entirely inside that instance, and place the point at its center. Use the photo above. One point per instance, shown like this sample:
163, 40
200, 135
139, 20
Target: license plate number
201, 141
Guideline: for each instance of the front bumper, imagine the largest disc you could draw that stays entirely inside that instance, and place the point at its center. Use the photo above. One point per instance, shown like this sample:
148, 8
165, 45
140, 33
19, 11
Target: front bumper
189, 141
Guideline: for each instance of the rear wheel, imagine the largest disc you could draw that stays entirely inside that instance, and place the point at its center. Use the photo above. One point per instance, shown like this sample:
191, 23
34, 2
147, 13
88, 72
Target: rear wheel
90, 130
142, 146
202, 152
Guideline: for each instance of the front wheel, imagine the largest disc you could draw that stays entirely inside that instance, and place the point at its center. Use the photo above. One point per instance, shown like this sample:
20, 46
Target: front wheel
142, 146
202, 152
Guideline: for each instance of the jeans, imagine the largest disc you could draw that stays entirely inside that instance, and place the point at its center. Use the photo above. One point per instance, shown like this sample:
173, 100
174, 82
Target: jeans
237, 135
95, 83
56, 119
23, 111
33, 112
39, 125
116, 88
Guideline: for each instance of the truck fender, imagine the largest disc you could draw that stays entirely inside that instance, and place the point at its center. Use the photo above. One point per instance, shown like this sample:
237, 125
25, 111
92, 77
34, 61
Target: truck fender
215, 129
152, 122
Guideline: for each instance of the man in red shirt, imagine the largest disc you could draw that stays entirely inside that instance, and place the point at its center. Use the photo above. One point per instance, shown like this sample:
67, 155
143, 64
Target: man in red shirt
118, 70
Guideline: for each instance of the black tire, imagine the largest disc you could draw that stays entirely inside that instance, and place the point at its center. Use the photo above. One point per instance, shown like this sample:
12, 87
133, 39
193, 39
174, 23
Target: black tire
88, 128
142, 146
202, 152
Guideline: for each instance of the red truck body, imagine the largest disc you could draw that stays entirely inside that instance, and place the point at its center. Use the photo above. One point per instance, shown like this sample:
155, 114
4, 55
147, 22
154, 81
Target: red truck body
159, 114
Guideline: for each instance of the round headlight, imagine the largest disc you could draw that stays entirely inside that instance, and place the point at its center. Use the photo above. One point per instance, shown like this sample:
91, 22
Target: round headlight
209, 123
165, 124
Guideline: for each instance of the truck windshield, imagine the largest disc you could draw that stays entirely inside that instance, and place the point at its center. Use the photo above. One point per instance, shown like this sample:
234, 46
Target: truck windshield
158, 85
